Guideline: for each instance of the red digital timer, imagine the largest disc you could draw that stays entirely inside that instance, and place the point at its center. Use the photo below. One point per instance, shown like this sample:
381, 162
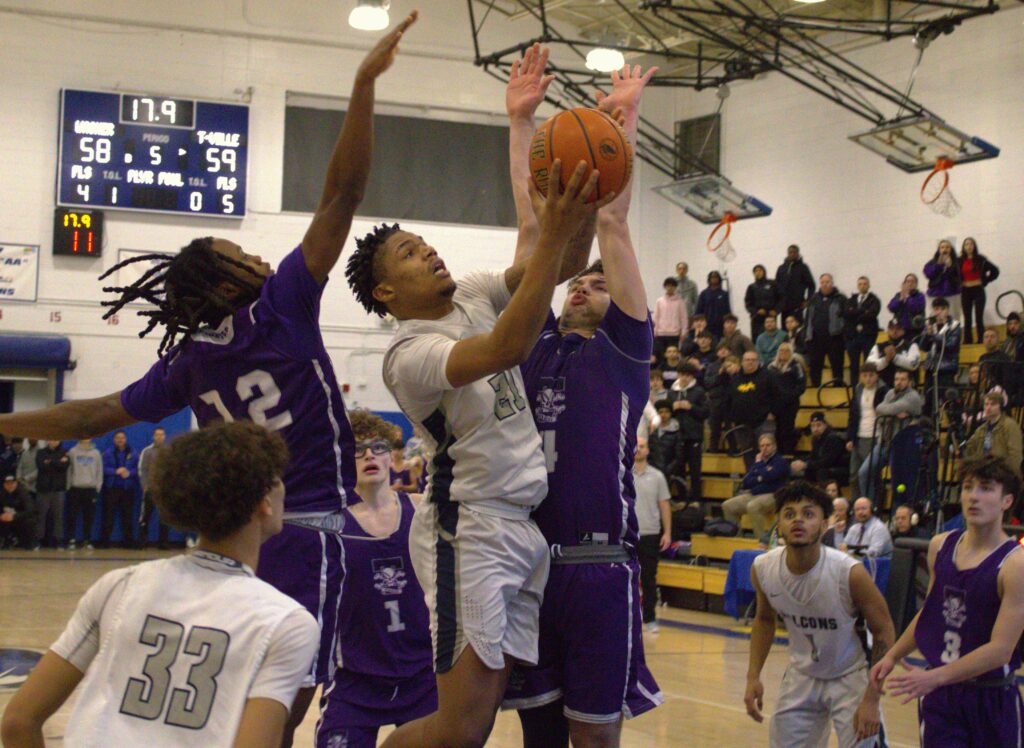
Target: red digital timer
78, 233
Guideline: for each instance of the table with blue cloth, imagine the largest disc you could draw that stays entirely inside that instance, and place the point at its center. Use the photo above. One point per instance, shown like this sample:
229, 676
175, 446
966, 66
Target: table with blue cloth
739, 590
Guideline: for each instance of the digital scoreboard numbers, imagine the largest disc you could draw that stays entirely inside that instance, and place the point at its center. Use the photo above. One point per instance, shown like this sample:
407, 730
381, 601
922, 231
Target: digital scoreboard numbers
151, 153
77, 232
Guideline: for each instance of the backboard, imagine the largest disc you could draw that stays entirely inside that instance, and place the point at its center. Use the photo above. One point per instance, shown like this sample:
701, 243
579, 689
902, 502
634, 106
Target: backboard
708, 197
917, 143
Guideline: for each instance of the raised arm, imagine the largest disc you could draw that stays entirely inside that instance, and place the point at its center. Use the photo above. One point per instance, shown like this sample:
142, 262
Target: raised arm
621, 269
518, 327
349, 168
74, 419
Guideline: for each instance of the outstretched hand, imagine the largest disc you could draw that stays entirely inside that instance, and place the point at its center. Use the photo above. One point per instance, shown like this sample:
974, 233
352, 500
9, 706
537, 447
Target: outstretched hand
527, 83
383, 54
627, 87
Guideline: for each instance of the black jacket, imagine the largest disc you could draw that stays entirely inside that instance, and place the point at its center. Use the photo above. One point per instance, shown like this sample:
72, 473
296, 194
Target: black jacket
18, 500
828, 451
53, 470
691, 422
664, 445
762, 294
789, 386
827, 310
796, 284
854, 424
716, 381
989, 270
750, 397
861, 318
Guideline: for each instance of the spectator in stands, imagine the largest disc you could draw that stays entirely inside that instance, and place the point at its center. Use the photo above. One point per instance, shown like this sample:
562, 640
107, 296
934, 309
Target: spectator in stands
147, 459
790, 383
8, 455
795, 337
795, 282
671, 321
974, 399
52, 462
658, 390
823, 330
768, 473
836, 531
85, 479
908, 306
17, 520
868, 535
999, 435
664, 442
860, 431
994, 362
737, 342
941, 345
654, 520
860, 325
120, 483
900, 406
750, 400
649, 419
703, 355
943, 274
976, 272
28, 470
690, 408
833, 489
717, 378
698, 326
670, 370
762, 301
687, 288
828, 459
1013, 346
768, 342
713, 303
903, 525
897, 353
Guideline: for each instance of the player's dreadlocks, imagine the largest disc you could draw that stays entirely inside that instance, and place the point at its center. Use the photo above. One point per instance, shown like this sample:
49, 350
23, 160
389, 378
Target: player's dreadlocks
361, 267
184, 288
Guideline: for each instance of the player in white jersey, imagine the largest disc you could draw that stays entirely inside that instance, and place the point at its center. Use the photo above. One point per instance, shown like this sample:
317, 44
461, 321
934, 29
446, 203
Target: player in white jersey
820, 593
189, 650
453, 368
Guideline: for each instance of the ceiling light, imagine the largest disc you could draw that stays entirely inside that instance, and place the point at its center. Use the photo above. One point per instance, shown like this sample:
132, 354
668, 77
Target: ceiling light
605, 59
370, 15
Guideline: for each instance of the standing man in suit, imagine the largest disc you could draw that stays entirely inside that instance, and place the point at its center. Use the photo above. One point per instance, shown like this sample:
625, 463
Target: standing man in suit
860, 324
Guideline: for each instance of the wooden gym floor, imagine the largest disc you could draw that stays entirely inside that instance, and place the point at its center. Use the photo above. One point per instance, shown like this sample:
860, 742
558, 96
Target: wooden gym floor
699, 660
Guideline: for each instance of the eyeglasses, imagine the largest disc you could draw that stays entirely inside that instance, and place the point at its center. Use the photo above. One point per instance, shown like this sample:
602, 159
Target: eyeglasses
378, 447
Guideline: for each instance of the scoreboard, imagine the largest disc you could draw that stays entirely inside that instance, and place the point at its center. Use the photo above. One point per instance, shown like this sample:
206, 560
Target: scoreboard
148, 153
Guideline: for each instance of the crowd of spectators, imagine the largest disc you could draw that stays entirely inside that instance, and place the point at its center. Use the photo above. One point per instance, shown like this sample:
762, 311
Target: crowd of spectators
716, 389
51, 494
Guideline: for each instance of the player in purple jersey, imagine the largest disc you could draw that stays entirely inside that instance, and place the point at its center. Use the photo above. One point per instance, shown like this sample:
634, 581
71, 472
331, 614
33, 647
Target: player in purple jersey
587, 382
385, 674
250, 348
970, 627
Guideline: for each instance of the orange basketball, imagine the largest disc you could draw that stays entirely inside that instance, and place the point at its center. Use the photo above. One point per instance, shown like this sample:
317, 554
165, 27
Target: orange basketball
582, 135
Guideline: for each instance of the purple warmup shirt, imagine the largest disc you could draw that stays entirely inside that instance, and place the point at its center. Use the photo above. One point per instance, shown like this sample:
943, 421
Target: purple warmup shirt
960, 612
587, 397
383, 623
265, 363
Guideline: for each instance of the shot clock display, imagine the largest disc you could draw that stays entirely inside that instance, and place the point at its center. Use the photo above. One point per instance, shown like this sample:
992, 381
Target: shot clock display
152, 153
78, 233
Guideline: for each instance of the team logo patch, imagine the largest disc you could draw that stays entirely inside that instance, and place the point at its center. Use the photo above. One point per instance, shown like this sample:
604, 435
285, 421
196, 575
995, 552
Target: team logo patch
15, 665
389, 575
954, 607
550, 400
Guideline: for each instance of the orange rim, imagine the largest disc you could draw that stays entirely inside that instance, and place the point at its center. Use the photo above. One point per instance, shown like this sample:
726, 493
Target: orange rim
942, 166
727, 221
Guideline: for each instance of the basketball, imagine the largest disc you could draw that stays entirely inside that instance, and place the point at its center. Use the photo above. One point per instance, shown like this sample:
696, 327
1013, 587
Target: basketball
582, 135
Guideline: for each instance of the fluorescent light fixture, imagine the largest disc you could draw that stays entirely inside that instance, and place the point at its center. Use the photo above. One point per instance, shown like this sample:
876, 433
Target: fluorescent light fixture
370, 15
605, 60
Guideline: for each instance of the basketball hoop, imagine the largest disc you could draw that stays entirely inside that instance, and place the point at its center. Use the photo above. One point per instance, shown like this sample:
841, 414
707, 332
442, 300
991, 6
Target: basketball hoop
935, 191
718, 239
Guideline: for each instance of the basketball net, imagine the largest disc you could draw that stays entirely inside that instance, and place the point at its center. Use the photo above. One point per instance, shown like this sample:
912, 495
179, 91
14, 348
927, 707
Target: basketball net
935, 192
718, 239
